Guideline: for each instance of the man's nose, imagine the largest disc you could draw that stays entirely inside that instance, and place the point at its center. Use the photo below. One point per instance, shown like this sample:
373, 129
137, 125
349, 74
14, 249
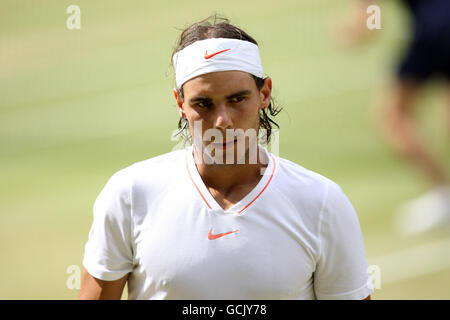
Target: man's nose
222, 117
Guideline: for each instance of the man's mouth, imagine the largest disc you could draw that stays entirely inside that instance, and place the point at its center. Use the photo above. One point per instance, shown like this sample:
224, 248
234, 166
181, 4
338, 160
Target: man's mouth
224, 145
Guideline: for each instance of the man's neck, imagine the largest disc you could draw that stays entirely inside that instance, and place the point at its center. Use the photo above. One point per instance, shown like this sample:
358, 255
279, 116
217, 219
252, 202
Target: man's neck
224, 178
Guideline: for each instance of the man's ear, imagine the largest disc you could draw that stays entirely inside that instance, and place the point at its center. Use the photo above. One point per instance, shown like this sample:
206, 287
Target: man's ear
266, 93
179, 102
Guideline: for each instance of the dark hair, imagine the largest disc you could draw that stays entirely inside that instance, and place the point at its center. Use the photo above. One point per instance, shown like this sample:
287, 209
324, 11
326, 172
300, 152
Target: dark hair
219, 27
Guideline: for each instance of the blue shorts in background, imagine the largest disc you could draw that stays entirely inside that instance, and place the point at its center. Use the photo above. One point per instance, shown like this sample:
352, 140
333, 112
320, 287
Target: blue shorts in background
428, 53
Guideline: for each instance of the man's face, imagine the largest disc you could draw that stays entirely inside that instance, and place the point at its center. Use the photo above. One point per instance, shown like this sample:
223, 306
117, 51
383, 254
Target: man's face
223, 101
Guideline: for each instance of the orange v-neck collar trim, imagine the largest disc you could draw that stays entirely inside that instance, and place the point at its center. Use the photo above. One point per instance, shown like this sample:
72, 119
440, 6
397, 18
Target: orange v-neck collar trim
246, 201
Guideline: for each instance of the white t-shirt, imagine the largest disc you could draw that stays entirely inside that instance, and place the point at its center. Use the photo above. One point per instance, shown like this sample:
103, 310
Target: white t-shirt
294, 236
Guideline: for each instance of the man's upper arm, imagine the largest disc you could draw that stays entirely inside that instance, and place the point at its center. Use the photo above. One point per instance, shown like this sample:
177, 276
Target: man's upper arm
108, 255
341, 270
96, 289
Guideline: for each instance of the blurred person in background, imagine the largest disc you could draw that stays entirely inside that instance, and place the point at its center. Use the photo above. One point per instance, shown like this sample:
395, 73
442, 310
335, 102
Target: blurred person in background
426, 57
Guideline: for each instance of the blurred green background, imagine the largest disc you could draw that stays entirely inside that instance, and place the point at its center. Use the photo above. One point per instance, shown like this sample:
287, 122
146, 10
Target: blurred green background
78, 105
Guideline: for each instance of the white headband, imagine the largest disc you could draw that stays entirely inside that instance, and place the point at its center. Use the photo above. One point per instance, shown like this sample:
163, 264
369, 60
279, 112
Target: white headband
216, 54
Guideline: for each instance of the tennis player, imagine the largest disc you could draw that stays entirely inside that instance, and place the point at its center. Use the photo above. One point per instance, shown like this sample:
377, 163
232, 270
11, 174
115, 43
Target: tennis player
212, 222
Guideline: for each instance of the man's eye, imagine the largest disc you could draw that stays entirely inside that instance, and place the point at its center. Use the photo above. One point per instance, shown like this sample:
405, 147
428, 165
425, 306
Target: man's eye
237, 99
203, 104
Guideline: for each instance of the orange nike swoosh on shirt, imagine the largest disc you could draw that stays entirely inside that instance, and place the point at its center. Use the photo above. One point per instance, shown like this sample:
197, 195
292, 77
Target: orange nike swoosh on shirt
208, 56
216, 236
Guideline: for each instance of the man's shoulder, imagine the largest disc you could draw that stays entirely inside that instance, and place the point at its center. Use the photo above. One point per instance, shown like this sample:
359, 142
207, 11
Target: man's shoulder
160, 165
299, 175
308, 189
304, 184
163, 160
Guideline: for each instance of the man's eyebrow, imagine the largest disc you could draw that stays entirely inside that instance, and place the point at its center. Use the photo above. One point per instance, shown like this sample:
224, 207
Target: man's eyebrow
238, 94
231, 96
199, 98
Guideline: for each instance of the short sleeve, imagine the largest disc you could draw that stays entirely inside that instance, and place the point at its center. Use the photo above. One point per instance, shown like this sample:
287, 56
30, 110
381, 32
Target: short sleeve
108, 252
341, 269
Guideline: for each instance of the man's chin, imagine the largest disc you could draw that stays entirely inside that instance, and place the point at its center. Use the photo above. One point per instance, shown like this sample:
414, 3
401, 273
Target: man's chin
231, 156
